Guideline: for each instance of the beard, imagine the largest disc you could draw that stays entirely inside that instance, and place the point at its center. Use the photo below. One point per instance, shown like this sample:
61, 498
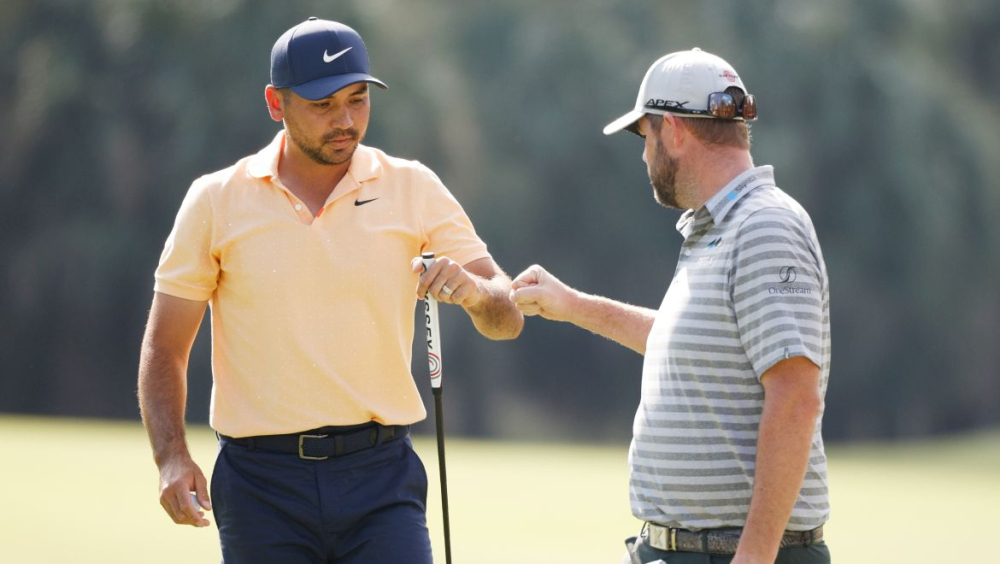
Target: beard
318, 151
663, 177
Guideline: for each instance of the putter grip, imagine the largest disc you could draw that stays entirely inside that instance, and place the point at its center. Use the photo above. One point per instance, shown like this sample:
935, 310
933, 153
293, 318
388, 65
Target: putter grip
433, 332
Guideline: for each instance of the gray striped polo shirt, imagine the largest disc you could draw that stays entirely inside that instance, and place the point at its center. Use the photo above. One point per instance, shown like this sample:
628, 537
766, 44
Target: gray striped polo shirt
750, 289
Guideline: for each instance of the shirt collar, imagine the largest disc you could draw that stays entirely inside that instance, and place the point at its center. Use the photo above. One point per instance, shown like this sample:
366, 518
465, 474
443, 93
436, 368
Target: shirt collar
721, 202
364, 163
265, 163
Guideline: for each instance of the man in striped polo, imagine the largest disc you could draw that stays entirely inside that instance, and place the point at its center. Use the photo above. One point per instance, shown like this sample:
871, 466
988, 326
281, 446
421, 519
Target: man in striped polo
727, 461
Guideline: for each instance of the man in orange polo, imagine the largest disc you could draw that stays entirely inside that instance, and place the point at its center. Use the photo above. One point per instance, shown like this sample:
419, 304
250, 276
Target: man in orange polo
306, 253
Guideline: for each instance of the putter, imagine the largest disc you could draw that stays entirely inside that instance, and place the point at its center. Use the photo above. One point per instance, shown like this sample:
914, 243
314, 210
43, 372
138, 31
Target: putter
434, 363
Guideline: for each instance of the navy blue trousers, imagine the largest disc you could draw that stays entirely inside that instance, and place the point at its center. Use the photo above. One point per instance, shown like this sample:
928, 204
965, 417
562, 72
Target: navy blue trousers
366, 507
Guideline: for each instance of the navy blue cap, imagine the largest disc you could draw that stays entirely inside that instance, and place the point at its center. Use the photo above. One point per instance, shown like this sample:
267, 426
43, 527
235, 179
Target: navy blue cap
318, 57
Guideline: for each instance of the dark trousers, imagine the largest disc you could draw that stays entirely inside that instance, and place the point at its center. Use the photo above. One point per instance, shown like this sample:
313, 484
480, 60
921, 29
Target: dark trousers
643, 553
366, 507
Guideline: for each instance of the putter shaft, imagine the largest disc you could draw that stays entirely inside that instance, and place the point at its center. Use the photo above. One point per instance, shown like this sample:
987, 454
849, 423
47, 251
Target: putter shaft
439, 417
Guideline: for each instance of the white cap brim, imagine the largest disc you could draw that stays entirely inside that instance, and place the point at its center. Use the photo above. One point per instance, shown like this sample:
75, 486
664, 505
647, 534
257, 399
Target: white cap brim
623, 122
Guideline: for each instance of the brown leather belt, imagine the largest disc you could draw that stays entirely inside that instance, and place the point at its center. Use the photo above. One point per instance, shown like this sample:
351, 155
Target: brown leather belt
715, 541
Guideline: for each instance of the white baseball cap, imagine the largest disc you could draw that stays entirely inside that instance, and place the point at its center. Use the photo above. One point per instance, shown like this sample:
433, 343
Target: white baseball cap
682, 83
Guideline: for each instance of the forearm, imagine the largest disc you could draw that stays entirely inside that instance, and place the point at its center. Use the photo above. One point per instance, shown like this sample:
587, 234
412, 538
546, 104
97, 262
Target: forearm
162, 401
625, 324
173, 325
783, 448
494, 315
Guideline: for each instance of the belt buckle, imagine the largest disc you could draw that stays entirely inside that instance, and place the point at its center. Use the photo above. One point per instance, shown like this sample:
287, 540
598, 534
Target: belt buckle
302, 455
662, 538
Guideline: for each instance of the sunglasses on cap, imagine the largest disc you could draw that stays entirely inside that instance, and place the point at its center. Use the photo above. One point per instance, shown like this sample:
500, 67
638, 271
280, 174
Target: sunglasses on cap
721, 105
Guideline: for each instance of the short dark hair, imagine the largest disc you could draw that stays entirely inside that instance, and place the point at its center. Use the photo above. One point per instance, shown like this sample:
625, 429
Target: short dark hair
722, 132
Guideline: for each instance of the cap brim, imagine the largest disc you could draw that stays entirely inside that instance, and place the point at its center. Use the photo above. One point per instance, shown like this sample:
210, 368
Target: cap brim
323, 87
627, 121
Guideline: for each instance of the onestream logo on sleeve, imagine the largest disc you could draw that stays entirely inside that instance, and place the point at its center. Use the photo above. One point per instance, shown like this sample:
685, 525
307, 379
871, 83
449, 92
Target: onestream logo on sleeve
787, 276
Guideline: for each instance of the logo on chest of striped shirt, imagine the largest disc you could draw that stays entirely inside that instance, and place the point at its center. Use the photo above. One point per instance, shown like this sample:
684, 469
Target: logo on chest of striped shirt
708, 259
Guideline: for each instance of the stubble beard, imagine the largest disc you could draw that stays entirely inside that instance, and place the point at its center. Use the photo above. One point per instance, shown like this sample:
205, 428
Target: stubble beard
316, 151
663, 178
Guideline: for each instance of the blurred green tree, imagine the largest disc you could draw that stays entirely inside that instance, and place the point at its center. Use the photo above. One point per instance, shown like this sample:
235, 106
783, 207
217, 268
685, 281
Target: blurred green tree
879, 116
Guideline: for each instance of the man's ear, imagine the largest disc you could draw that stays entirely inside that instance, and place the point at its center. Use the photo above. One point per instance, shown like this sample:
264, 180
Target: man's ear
673, 131
275, 102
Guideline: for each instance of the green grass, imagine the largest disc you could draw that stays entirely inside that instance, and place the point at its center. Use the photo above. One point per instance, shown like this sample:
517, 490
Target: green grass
86, 492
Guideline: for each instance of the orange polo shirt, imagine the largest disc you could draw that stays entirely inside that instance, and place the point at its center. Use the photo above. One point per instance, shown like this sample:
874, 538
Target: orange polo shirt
312, 318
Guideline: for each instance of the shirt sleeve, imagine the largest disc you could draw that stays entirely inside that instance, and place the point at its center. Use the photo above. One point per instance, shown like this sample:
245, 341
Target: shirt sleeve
777, 281
448, 230
188, 266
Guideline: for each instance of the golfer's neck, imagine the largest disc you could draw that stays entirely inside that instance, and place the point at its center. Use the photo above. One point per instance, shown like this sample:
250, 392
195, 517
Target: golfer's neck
714, 174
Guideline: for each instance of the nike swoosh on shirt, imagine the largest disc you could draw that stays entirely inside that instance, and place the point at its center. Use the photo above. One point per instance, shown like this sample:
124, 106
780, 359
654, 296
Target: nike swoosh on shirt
363, 202
332, 58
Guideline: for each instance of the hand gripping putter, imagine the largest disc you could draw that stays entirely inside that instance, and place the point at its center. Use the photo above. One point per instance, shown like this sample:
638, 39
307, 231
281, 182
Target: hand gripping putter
434, 363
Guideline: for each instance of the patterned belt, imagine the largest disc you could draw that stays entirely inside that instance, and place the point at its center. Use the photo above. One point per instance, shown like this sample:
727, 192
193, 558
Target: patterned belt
716, 541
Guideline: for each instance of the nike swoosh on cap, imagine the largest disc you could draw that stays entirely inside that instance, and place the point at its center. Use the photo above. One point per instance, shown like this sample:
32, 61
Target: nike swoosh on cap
332, 58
